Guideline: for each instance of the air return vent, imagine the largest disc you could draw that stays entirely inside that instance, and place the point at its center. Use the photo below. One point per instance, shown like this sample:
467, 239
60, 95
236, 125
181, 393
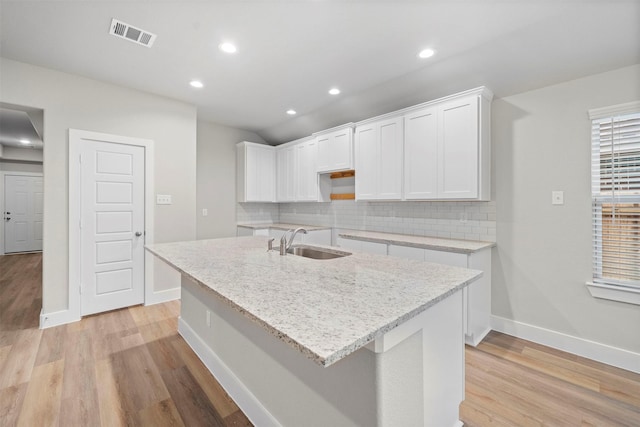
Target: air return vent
133, 34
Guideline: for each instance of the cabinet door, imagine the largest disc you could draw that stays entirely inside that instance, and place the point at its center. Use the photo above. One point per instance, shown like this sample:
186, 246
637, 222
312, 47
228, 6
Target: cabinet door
324, 153
342, 149
307, 176
266, 175
458, 149
421, 154
378, 160
367, 162
286, 179
390, 159
259, 173
335, 151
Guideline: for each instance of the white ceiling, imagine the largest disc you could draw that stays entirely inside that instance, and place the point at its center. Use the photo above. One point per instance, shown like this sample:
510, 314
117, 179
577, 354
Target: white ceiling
291, 52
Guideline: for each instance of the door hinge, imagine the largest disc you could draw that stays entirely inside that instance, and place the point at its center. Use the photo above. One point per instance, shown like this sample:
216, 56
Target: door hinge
80, 290
80, 224
79, 158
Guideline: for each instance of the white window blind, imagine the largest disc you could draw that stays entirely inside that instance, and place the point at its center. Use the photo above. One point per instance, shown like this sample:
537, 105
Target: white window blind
615, 163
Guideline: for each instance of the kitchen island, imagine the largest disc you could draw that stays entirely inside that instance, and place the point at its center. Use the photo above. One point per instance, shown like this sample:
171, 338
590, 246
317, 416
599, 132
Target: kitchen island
359, 340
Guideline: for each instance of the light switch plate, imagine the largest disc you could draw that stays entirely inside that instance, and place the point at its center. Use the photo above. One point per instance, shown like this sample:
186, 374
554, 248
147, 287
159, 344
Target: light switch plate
163, 199
557, 197
205, 212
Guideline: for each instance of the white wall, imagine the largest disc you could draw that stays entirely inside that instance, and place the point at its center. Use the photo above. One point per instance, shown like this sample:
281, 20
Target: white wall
21, 154
71, 101
216, 178
541, 142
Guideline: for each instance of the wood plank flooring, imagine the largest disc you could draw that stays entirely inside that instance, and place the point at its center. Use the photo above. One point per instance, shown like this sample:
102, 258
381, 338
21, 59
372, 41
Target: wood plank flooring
122, 368
513, 382
130, 367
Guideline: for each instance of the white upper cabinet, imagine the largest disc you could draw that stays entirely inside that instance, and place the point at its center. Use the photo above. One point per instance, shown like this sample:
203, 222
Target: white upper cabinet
286, 173
297, 179
307, 175
421, 154
335, 150
378, 160
255, 172
447, 149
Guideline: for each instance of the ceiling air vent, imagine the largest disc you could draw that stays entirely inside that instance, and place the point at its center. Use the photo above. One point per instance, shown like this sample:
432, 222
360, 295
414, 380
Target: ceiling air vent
133, 34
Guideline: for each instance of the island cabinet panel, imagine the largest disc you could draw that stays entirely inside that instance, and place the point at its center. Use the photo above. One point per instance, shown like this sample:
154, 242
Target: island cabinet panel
255, 172
413, 375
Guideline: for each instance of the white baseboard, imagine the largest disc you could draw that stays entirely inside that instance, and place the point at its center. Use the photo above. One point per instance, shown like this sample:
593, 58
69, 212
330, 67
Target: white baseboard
475, 339
240, 394
579, 346
163, 296
57, 318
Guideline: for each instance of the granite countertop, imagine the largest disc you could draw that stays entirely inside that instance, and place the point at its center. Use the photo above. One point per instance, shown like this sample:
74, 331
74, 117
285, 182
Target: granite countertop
424, 242
284, 226
326, 309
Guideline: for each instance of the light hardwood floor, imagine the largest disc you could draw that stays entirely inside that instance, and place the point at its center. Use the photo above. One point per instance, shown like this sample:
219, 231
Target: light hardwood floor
125, 367
130, 367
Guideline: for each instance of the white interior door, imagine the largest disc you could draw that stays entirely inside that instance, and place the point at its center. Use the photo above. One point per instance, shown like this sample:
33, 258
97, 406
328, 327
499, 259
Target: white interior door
23, 213
112, 226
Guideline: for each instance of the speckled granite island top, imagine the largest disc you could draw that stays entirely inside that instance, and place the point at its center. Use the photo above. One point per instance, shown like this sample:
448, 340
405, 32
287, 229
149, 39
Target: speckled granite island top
326, 309
424, 242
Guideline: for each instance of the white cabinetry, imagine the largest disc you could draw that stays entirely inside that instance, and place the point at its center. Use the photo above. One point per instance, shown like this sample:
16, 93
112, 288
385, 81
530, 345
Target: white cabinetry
255, 172
476, 296
306, 176
335, 149
286, 173
447, 148
378, 160
297, 179
362, 245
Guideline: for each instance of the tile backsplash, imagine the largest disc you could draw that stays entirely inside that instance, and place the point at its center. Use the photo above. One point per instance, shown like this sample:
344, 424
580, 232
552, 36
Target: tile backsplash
257, 212
455, 220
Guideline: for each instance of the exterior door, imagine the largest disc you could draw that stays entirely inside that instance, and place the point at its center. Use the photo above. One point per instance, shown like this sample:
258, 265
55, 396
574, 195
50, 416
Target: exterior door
23, 213
111, 226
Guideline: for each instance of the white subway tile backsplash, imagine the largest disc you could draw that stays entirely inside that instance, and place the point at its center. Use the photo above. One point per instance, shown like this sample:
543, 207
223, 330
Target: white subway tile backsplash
460, 220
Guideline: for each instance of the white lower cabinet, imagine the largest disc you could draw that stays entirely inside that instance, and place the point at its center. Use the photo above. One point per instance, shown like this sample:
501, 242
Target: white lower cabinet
313, 237
476, 296
362, 245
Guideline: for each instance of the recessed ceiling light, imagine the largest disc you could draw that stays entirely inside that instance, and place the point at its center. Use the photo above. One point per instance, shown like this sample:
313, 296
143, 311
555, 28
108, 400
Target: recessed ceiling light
196, 83
25, 141
228, 47
291, 112
426, 53
334, 91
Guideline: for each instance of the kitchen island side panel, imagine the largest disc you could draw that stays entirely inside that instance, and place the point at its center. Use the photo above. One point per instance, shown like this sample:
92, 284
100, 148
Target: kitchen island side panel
366, 388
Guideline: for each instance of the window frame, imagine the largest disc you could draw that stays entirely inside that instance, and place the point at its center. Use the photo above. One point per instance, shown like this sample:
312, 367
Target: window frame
602, 287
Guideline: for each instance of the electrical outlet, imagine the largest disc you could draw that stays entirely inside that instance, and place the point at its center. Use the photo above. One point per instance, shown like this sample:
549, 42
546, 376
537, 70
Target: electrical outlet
163, 199
557, 197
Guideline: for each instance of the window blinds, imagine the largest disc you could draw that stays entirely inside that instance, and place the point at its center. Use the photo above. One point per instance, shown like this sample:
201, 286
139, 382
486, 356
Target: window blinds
616, 199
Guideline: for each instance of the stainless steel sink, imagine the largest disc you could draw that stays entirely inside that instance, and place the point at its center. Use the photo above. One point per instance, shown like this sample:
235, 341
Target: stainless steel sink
316, 253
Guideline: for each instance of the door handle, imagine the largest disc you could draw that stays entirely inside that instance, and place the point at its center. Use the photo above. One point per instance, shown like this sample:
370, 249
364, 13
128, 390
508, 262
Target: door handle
138, 233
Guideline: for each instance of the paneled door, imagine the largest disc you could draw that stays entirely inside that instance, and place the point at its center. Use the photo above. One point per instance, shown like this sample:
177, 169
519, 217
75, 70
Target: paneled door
23, 213
111, 226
